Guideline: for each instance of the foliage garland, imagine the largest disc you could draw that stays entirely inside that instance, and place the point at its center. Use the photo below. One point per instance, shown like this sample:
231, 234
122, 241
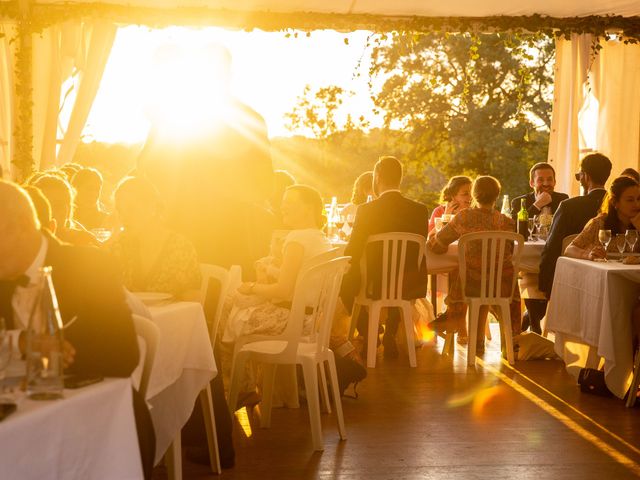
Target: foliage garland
43, 16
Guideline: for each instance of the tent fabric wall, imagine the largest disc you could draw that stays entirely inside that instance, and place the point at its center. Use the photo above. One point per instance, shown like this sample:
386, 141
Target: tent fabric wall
6, 98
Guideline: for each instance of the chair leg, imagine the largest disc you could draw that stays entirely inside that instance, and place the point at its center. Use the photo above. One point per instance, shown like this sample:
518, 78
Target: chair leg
407, 313
268, 381
326, 403
310, 372
372, 347
355, 313
487, 330
633, 390
206, 402
449, 345
173, 458
473, 312
337, 401
236, 377
505, 322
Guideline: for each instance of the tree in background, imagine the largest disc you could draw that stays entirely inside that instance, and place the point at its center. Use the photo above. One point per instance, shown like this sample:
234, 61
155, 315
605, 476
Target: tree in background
451, 104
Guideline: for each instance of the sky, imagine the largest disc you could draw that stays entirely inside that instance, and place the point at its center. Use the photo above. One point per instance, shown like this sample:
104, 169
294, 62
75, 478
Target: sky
269, 72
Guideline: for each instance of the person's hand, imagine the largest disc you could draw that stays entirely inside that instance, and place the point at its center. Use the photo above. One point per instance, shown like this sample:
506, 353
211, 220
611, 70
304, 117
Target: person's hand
246, 288
452, 207
597, 252
68, 353
542, 200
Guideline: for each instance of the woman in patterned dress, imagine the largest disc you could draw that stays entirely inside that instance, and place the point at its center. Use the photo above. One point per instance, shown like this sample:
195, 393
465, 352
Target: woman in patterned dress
480, 217
152, 257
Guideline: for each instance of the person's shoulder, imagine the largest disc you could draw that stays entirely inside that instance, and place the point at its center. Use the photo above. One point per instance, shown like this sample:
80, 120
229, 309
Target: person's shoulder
524, 196
559, 195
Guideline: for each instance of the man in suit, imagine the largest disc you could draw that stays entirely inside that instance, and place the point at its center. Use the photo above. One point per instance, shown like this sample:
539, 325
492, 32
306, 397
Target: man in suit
542, 179
574, 213
100, 338
389, 212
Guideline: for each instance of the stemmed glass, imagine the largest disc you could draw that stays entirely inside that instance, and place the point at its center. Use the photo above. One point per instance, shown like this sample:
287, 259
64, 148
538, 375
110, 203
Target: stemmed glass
531, 226
604, 236
632, 238
621, 243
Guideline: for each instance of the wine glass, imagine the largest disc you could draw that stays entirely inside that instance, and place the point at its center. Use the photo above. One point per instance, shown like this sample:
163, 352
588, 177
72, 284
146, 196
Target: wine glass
531, 226
438, 224
604, 236
621, 243
101, 234
632, 238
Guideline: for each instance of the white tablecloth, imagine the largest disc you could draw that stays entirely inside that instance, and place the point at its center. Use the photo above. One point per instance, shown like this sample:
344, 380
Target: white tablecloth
183, 366
590, 313
90, 434
529, 262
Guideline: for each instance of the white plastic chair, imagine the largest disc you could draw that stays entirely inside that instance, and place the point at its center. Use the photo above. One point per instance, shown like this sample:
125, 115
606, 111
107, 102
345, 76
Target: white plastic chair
316, 288
494, 244
149, 332
394, 256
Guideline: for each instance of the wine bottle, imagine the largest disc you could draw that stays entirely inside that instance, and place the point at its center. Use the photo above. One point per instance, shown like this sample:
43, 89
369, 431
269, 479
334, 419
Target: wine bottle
523, 221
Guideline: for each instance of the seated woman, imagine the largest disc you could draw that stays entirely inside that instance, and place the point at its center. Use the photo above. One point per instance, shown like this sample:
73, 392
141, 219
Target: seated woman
60, 194
620, 212
262, 307
455, 196
89, 211
152, 257
480, 217
362, 188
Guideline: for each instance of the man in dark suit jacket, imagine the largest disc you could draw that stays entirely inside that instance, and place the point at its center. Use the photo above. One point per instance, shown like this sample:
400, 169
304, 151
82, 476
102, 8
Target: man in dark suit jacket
573, 214
389, 212
542, 179
102, 339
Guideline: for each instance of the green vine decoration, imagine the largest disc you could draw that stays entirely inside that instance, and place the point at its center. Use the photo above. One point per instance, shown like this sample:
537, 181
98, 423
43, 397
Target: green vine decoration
43, 16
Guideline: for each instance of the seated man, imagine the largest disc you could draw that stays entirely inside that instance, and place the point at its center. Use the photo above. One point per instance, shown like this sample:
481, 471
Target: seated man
542, 179
102, 339
389, 212
573, 214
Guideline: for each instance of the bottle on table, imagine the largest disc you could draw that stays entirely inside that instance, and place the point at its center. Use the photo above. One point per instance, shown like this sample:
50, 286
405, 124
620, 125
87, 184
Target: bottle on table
523, 221
44, 344
506, 206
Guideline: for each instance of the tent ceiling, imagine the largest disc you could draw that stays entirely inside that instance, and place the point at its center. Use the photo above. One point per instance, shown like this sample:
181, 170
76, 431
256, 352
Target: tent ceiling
426, 8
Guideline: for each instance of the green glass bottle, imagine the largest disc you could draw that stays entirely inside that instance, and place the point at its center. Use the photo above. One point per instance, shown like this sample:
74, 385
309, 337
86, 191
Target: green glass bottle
523, 221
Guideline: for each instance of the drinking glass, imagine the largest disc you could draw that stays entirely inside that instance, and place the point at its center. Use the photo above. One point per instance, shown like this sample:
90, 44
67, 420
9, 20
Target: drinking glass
5, 352
101, 234
351, 218
632, 238
438, 223
604, 236
621, 243
531, 226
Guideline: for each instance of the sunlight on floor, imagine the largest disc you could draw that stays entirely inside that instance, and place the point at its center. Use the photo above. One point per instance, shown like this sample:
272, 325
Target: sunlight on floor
243, 420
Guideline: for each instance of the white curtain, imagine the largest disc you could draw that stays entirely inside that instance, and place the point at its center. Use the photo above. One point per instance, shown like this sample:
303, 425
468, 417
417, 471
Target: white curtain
60, 52
616, 86
570, 77
7, 32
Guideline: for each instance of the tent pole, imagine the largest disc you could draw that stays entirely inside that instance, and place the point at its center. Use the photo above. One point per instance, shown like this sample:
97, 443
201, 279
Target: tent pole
23, 132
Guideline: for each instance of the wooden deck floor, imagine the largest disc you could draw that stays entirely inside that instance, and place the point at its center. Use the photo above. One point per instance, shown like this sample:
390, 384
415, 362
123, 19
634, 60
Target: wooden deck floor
442, 421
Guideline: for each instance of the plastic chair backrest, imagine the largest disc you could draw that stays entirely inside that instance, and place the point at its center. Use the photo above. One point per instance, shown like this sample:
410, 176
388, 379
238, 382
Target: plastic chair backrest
494, 246
149, 332
315, 295
228, 281
566, 241
394, 257
319, 259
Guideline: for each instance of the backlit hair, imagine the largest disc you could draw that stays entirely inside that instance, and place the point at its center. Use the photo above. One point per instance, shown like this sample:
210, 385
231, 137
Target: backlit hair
389, 171
362, 188
16, 208
616, 190
452, 187
311, 197
485, 190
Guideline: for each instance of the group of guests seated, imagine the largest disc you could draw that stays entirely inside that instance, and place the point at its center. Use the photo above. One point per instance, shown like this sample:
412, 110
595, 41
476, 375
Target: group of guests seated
151, 256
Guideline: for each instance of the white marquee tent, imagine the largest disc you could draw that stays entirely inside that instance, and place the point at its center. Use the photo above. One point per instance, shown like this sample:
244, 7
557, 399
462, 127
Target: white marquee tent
76, 39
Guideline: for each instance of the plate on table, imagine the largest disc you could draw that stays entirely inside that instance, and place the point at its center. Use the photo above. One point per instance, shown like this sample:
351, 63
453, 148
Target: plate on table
153, 298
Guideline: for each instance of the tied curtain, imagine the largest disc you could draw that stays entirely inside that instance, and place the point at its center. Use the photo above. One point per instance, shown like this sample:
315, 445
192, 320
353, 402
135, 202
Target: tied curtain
68, 63
611, 78
7, 32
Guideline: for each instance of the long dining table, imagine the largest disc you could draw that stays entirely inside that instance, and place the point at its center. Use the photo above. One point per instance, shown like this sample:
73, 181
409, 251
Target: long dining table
88, 434
183, 366
590, 313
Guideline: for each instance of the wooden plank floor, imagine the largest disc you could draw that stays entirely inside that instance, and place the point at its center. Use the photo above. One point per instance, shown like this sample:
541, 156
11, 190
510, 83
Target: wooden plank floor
441, 420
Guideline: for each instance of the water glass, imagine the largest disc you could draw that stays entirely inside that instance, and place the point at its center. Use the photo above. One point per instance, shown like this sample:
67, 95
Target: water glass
621, 243
604, 236
632, 239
